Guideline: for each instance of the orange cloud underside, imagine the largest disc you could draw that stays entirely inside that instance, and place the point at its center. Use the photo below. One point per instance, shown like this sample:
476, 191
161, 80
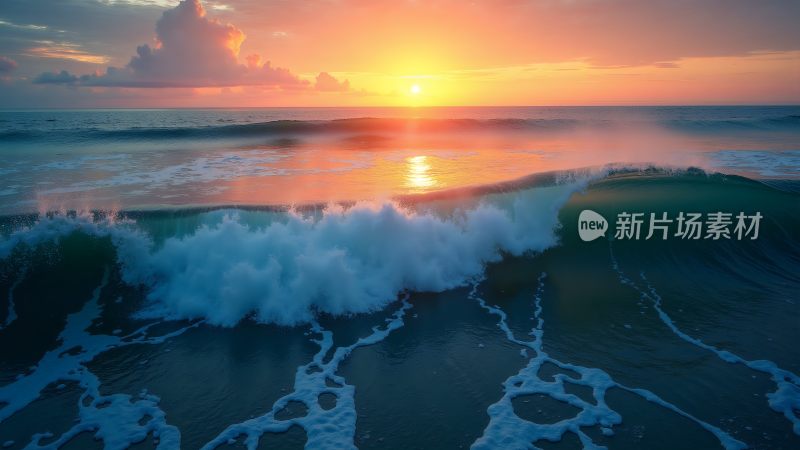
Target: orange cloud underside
66, 51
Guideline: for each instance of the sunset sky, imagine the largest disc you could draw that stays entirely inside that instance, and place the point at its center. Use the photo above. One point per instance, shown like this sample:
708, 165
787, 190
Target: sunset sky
243, 53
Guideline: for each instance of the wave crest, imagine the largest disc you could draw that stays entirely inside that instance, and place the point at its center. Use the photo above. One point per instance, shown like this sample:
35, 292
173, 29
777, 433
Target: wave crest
347, 260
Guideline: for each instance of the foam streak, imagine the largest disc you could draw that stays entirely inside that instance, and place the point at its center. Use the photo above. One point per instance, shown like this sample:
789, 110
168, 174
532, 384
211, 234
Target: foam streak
785, 400
334, 428
117, 419
507, 430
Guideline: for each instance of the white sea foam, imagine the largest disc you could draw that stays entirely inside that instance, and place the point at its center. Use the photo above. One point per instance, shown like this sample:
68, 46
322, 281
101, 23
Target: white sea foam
333, 428
150, 172
204, 169
786, 398
119, 420
347, 260
507, 430
776, 164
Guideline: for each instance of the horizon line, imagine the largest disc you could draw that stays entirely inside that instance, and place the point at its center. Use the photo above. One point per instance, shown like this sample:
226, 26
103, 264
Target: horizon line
408, 107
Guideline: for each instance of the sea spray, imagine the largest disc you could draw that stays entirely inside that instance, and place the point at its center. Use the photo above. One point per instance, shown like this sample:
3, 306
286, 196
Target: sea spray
348, 260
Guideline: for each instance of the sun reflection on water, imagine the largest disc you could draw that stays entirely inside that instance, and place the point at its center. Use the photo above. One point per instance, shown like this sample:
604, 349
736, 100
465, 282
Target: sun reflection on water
418, 174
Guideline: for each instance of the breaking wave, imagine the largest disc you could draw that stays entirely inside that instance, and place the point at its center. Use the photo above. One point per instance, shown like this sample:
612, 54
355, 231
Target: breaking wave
284, 267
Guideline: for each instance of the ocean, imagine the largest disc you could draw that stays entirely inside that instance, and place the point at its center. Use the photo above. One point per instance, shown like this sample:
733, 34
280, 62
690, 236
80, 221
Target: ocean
382, 278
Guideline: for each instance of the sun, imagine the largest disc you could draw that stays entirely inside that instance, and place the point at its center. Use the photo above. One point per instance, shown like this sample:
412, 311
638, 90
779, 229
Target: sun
415, 89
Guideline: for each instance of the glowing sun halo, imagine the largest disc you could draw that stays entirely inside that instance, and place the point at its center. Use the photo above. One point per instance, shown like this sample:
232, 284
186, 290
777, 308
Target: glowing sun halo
415, 89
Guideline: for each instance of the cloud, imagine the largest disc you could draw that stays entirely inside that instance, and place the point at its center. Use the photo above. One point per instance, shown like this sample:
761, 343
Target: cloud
666, 65
191, 50
65, 50
326, 82
7, 65
62, 77
22, 26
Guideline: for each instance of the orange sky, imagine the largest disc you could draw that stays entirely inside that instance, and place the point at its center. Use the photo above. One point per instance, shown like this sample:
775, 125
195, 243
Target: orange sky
405, 53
